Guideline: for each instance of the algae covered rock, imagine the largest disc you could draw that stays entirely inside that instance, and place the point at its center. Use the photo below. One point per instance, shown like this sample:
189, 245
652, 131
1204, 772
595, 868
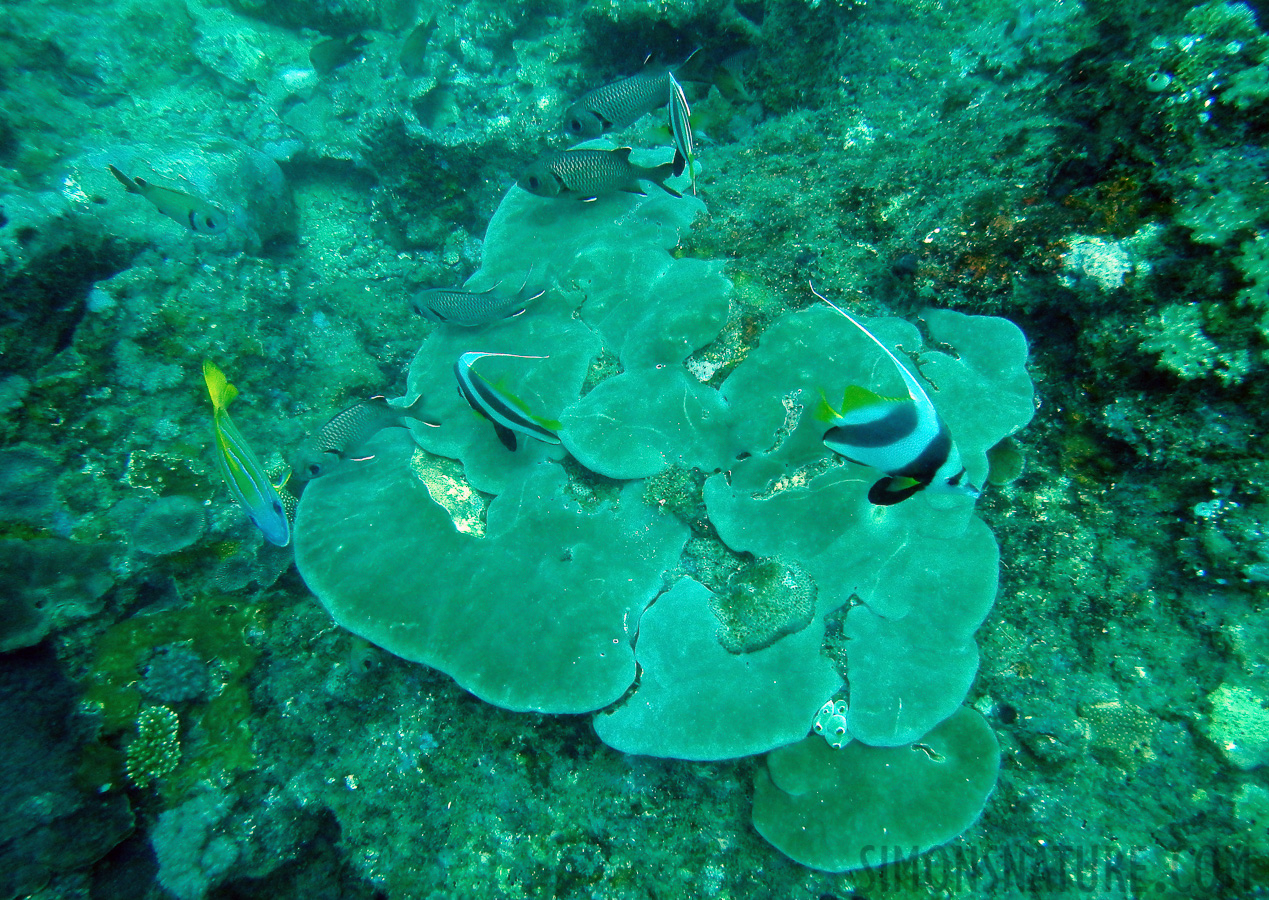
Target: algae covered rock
830, 809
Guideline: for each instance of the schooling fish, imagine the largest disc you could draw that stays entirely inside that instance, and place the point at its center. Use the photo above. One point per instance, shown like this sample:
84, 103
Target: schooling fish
468, 308
614, 106
194, 213
681, 129
507, 413
905, 438
344, 436
585, 174
239, 466
621, 103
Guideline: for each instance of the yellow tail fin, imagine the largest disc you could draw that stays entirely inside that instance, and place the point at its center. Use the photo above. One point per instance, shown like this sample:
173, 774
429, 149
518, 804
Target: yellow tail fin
222, 392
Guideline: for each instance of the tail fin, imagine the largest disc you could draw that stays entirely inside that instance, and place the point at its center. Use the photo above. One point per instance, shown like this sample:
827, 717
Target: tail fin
418, 411
128, 184
664, 171
222, 392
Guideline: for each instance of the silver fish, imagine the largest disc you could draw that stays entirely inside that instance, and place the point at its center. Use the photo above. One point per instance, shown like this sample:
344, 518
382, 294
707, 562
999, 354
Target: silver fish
585, 174
905, 437
621, 103
194, 213
468, 308
614, 106
347, 433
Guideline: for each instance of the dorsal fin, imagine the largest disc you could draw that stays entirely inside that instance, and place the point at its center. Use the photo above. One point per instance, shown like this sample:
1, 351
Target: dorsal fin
915, 390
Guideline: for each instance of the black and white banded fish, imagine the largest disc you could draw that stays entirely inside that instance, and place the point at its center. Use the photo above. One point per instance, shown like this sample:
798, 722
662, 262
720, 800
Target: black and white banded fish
681, 129
508, 413
903, 437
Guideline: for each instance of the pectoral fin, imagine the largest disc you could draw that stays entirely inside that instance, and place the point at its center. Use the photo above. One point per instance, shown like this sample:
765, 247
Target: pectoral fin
506, 435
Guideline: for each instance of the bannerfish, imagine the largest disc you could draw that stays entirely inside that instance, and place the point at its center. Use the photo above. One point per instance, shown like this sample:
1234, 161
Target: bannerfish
194, 213
508, 414
905, 437
348, 432
681, 129
468, 308
238, 465
585, 174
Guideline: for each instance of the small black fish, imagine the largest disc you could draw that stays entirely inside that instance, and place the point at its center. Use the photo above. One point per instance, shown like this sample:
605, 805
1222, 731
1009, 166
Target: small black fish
329, 55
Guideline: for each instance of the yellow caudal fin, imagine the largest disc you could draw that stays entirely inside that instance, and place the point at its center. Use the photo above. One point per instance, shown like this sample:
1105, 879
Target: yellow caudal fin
222, 392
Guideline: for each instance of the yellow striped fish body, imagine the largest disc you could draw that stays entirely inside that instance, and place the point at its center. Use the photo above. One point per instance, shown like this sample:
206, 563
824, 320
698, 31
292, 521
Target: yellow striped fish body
586, 174
241, 470
508, 414
617, 105
194, 213
904, 437
681, 129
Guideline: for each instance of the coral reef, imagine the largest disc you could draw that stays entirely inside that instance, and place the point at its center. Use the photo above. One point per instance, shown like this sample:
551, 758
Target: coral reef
1093, 172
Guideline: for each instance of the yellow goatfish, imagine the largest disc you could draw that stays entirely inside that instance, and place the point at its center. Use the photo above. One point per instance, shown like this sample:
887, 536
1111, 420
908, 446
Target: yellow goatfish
193, 212
239, 466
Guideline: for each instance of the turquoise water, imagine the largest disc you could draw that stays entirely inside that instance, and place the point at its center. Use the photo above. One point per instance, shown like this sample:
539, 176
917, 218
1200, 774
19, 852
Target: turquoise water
1052, 213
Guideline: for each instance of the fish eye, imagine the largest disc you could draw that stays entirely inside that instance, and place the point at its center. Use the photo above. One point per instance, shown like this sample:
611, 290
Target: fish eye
211, 224
533, 181
575, 126
314, 470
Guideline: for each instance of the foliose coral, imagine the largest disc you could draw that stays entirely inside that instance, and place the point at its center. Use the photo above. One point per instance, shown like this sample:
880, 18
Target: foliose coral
567, 585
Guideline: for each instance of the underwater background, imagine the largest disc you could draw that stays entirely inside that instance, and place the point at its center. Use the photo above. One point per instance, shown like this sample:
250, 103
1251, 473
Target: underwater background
182, 717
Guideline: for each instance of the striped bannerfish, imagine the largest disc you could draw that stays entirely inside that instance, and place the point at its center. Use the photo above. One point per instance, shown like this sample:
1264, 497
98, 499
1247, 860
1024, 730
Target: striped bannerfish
348, 431
681, 129
194, 213
238, 465
905, 438
508, 414
585, 174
